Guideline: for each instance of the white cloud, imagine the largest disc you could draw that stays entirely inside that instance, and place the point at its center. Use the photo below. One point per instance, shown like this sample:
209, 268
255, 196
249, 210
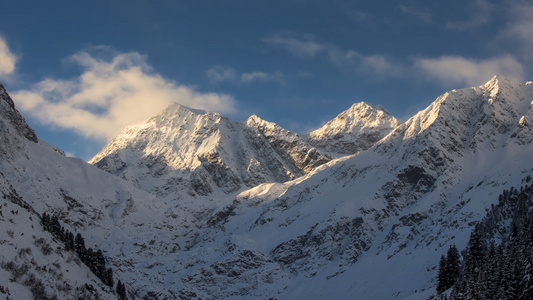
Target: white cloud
481, 13
7, 59
472, 72
220, 73
110, 94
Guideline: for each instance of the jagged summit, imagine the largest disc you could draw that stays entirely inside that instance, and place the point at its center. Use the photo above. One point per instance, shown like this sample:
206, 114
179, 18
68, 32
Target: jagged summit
197, 153
354, 130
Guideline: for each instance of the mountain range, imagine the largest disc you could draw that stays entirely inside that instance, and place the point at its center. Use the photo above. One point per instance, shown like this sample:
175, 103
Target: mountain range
191, 204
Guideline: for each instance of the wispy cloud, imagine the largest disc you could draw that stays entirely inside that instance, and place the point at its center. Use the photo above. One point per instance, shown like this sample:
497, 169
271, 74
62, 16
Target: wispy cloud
424, 16
300, 44
456, 70
262, 76
472, 72
480, 14
308, 46
519, 28
110, 94
7, 59
220, 74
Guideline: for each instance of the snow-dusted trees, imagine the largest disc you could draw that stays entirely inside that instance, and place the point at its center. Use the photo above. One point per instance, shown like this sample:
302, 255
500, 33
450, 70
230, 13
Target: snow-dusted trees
94, 259
121, 291
449, 269
498, 259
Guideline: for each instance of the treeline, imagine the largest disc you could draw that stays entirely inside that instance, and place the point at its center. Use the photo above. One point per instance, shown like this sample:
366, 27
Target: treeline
498, 260
92, 258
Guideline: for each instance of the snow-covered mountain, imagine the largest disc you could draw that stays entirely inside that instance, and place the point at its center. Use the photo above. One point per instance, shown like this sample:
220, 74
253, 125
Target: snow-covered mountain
263, 214
354, 130
373, 226
36, 177
183, 150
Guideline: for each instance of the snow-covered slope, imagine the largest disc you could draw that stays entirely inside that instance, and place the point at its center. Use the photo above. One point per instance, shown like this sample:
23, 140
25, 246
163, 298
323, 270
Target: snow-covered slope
373, 226
40, 178
354, 130
33, 265
193, 152
370, 226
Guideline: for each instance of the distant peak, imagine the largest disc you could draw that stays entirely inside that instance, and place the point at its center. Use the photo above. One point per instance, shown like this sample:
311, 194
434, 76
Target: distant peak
256, 121
174, 106
499, 83
254, 118
364, 105
362, 109
498, 80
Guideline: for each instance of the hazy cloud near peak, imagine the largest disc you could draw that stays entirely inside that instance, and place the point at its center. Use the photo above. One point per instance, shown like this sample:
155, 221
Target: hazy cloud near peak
110, 94
471, 72
7, 59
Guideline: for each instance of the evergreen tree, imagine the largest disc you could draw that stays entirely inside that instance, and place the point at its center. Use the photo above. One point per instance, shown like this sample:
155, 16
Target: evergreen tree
121, 291
109, 277
442, 277
79, 245
453, 266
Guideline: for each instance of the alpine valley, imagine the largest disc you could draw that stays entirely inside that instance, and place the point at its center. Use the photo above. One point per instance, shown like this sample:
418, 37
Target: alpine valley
193, 205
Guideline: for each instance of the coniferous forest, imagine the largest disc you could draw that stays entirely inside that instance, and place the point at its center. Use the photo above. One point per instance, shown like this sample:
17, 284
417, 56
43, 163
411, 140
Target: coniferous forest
94, 259
498, 259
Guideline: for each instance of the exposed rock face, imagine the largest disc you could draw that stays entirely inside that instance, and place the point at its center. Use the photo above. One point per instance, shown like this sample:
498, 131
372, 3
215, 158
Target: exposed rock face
354, 130
13, 117
13, 128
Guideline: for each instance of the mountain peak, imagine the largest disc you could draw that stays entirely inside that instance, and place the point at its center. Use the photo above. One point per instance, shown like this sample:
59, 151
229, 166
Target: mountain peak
256, 121
366, 110
176, 108
497, 79
499, 83
356, 129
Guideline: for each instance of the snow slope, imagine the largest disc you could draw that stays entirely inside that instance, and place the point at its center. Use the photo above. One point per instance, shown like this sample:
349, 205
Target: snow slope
33, 265
86, 199
373, 226
365, 226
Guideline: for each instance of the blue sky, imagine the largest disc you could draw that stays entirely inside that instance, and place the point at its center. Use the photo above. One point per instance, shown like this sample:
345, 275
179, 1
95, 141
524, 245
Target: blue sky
79, 71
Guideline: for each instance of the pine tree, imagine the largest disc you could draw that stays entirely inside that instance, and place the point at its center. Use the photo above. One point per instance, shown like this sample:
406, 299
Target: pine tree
453, 266
121, 290
79, 245
442, 277
109, 277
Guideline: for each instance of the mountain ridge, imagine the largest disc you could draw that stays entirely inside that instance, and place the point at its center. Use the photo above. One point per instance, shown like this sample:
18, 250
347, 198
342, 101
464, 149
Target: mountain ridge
328, 232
